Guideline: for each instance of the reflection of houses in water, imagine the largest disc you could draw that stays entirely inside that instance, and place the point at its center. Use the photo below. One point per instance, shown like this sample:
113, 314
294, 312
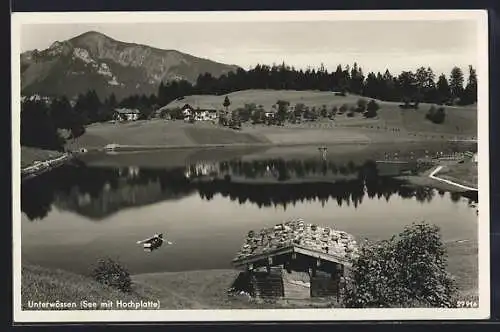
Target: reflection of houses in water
98, 192
130, 172
84, 199
202, 169
323, 151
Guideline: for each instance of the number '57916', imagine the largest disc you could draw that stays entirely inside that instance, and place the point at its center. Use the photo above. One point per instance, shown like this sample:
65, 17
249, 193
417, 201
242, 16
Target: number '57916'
467, 304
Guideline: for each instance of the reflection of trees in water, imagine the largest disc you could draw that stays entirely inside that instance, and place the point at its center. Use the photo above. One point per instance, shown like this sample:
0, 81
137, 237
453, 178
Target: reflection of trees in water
36, 199
284, 170
107, 188
344, 192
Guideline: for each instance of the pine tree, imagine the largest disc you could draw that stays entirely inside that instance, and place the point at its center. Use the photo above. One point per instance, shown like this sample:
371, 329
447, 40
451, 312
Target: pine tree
226, 103
456, 82
408, 85
443, 90
470, 93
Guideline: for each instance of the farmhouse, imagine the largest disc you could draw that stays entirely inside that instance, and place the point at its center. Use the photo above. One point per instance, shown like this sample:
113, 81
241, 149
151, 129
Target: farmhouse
200, 113
195, 110
206, 114
270, 114
126, 114
187, 110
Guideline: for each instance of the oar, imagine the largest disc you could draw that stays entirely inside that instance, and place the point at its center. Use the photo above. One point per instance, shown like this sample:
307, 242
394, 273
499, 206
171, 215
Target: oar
168, 242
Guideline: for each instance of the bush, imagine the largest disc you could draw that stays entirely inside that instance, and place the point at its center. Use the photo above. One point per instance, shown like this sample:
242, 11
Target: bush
361, 105
324, 112
176, 113
299, 109
409, 270
343, 108
333, 111
371, 109
436, 115
111, 273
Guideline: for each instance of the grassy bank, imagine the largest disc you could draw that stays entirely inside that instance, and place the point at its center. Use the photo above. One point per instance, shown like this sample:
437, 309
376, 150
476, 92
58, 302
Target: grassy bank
174, 290
51, 285
206, 289
29, 155
465, 174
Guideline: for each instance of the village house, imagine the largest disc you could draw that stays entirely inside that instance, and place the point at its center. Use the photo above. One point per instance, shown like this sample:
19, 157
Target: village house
187, 110
206, 114
126, 114
271, 114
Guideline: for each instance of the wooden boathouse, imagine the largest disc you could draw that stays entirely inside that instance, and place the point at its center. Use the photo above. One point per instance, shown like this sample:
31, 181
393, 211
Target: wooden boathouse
321, 253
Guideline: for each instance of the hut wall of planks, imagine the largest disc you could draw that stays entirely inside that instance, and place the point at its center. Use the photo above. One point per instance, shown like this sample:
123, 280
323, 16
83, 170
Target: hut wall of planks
322, 252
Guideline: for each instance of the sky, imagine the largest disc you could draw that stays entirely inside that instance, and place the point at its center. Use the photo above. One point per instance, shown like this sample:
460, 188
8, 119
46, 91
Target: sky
374, 45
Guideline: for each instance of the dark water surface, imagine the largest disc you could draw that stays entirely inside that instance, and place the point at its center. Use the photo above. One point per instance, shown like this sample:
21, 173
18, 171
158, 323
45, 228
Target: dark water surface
78, 213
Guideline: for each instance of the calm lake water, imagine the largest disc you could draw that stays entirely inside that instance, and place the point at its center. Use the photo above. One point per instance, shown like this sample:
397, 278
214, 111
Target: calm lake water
78, 213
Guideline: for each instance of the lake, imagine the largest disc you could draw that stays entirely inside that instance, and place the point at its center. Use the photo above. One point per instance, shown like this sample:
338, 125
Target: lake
80, 212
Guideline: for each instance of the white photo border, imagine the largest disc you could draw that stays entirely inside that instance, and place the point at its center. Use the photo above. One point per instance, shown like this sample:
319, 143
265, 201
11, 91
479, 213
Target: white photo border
481, 312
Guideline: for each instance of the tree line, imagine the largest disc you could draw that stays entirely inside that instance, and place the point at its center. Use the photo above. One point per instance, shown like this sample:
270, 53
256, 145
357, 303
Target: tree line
421, 85
41, 123
49, 125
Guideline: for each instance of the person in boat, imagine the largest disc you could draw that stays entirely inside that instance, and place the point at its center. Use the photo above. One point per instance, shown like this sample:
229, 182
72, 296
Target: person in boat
157, 240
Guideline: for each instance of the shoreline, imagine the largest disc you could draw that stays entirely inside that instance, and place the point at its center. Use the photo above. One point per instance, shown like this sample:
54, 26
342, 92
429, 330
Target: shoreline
44, 166
139, 148
453, 183
427, 178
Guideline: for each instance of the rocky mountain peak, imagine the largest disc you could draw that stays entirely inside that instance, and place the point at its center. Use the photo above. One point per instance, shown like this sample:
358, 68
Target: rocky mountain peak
93, 60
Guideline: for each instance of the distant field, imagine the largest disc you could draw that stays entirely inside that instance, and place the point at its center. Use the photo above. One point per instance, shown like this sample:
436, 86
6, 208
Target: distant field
392, 124
461, 121
159, 132
179, 134
266, 98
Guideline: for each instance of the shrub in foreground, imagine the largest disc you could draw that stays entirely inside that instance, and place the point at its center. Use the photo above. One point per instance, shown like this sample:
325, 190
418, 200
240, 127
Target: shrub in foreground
409, 270
111, 273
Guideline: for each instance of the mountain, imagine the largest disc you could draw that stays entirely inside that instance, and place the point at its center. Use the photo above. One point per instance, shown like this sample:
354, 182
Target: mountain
94, 60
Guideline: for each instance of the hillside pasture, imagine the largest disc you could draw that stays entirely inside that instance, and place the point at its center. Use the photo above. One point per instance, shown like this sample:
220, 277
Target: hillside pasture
266, 98
460, 121
161, 133
391, 124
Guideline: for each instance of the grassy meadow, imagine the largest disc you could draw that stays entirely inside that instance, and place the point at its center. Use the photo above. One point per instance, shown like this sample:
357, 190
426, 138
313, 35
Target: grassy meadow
391, 124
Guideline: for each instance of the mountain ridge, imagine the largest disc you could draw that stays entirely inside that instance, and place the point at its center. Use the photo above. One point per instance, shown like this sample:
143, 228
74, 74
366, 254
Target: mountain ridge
93, 60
